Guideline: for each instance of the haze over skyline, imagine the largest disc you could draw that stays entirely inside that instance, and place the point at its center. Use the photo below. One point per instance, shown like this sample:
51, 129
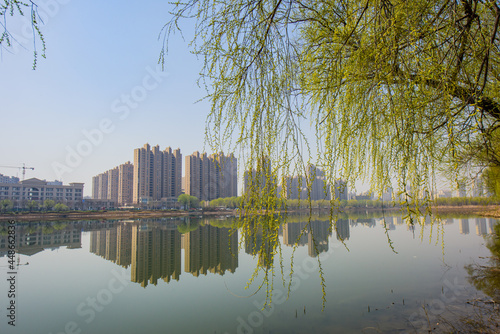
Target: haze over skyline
100, 92
101, 72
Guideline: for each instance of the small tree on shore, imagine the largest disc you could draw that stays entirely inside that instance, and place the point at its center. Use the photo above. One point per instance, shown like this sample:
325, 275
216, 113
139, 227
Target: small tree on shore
6, 205
48, 204
61, 207
32, 205
188, 201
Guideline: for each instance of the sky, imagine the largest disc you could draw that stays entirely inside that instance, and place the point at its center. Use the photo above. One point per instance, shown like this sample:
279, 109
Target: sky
100, 93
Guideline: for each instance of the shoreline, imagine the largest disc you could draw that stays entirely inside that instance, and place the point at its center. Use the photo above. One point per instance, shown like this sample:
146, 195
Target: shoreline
492, 211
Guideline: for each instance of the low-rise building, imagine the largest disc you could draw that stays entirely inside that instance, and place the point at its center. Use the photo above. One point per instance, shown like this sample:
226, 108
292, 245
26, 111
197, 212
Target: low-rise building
40, 190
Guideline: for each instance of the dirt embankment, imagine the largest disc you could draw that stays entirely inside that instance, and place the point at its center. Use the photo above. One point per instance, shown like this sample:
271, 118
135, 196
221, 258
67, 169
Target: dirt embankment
487, 211
481, 210
33, 216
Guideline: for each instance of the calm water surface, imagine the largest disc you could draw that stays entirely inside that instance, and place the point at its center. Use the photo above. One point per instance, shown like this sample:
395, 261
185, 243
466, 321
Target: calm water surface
358, 275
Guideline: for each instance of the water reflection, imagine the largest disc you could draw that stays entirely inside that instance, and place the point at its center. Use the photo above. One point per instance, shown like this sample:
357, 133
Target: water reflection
261, 240
169, 250
464, 226
314, 234
113, 241
481, 226
153, 249
486, 277
211, 249
33, 238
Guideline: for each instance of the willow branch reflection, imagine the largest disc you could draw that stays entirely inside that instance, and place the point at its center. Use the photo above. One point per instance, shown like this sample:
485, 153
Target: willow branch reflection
152, 249
261, 239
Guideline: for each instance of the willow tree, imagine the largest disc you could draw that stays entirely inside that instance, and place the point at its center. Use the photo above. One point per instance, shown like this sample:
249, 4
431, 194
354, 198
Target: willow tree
392, 89
10, 9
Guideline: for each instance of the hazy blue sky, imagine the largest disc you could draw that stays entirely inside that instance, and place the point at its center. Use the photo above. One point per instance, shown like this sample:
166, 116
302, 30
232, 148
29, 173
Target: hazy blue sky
100, 71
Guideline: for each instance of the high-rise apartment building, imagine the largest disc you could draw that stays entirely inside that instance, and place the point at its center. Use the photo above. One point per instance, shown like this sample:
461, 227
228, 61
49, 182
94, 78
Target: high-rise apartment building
211, 177
8, 179
461, 190
260, 179
320, 189
125, 183
157, 174
228, 175
95, 187
194, 169
313, 184
340, 187
142, 172
114, 185
103, 186
113, 178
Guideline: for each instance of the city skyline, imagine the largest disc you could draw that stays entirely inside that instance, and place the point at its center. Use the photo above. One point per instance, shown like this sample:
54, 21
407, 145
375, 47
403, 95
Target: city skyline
156, 175
85, 111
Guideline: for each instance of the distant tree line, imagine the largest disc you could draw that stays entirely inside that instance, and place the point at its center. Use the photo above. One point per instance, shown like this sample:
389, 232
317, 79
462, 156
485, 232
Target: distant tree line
227, 202
235, 202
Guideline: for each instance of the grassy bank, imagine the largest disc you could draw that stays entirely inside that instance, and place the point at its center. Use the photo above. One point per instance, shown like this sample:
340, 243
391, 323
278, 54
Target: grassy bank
118, 214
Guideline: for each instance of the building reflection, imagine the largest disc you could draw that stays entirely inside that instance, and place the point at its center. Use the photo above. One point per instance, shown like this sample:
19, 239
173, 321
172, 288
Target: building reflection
259, 242
295, 234
491, 225
153, 249
314, 234
124, 245
481, 226
389, 223
210, 249
464, 226
342, 229
32, 238
317, 238
156, 253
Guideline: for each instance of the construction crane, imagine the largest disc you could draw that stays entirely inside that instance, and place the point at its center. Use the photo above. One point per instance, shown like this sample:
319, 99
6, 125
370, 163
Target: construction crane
23, 167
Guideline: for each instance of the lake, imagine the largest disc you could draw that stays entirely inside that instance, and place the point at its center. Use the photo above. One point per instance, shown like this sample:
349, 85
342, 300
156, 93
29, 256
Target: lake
350, 274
